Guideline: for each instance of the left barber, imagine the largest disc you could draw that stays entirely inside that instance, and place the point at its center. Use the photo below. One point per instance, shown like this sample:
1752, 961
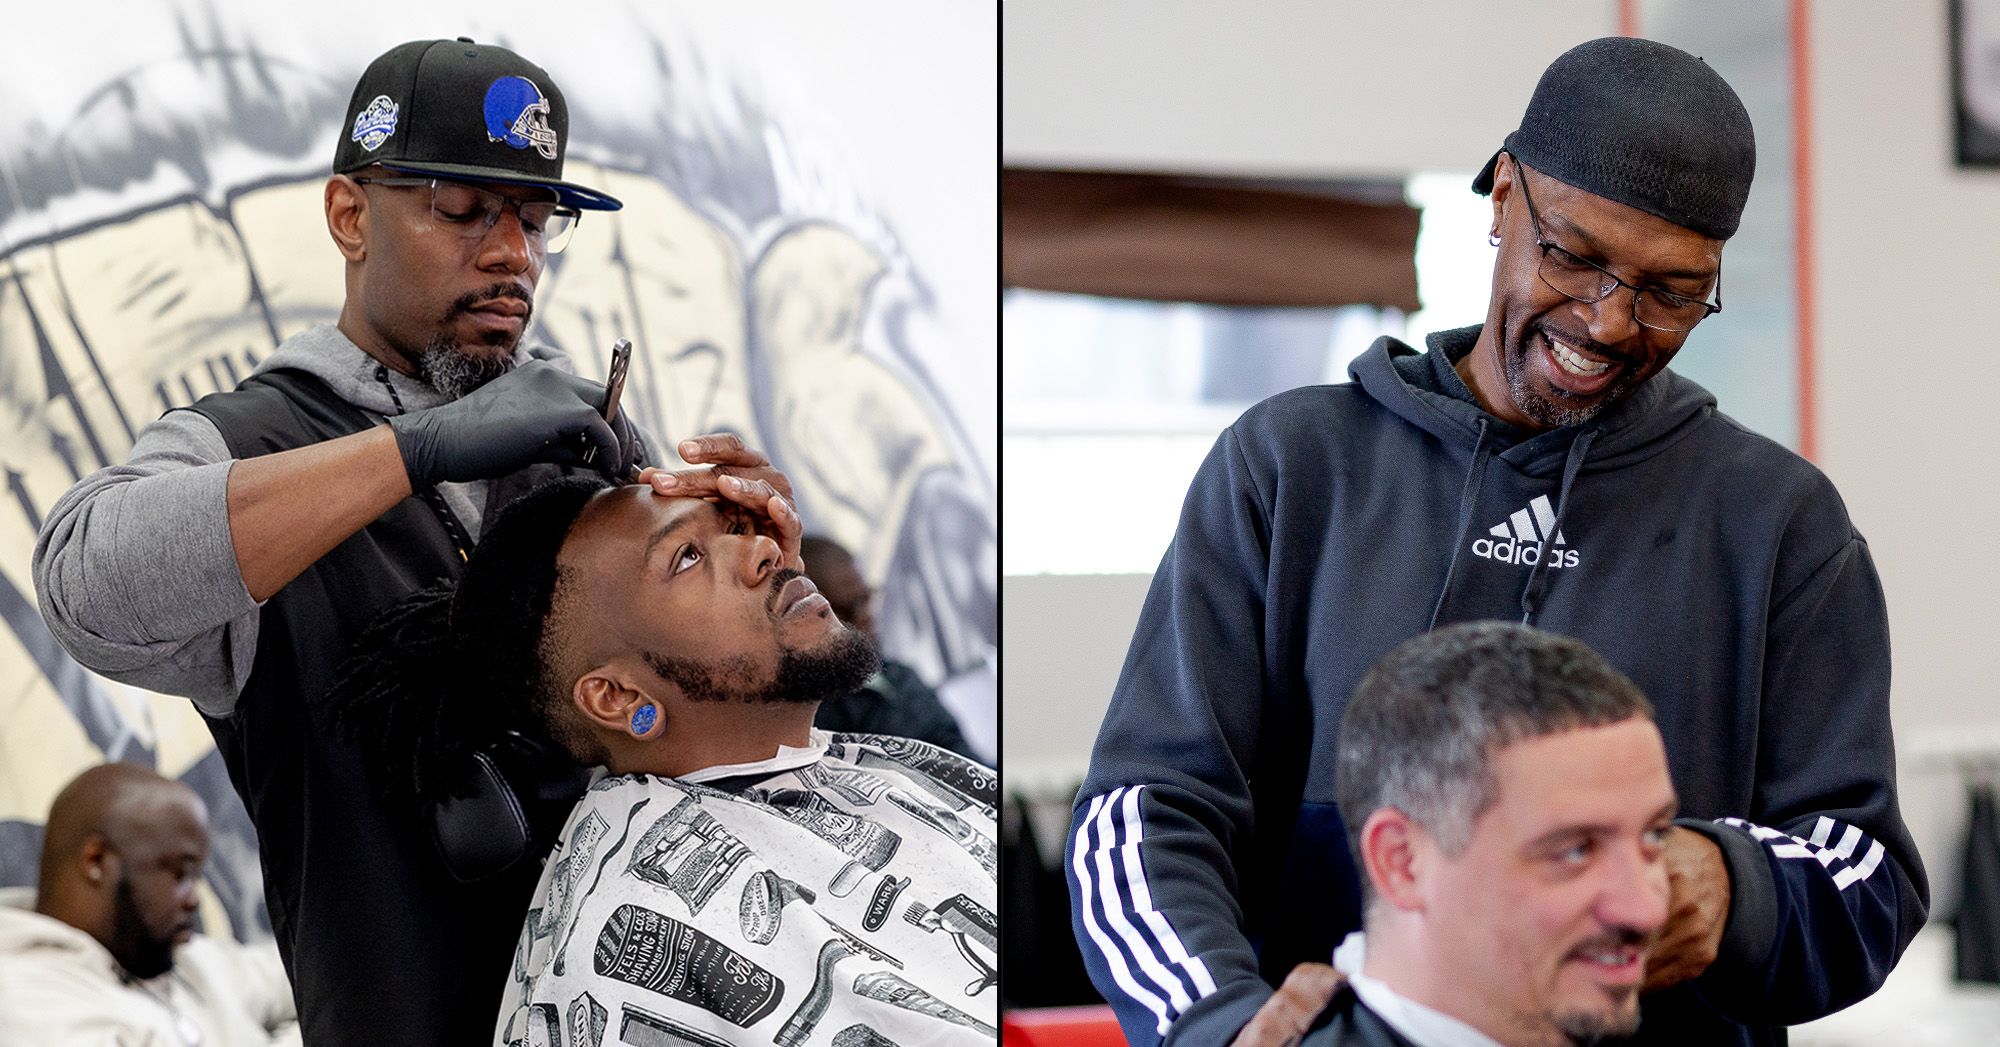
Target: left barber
236, 553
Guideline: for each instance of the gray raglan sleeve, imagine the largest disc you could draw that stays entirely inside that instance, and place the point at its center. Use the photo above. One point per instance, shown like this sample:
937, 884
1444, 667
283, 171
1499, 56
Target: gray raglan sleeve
136, 571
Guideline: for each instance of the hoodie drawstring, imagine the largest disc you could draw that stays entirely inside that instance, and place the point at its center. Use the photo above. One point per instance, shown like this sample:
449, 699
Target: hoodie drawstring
1468, 498
1538, 576
452, 528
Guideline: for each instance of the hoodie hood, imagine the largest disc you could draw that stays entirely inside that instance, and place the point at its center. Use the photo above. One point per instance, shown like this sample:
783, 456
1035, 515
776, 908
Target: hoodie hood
23, 932
1662, 411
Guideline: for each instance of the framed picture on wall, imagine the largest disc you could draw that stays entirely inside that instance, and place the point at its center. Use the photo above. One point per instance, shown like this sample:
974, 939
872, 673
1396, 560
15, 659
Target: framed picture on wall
1975, 63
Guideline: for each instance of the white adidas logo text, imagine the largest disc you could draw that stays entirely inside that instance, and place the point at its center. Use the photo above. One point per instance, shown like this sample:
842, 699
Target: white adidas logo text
1518, 540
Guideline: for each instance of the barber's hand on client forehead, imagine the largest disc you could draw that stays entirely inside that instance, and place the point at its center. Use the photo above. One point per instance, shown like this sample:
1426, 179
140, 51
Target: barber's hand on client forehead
741, 476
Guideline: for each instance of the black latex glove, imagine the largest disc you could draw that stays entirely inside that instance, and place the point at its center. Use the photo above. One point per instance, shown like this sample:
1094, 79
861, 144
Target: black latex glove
534, 413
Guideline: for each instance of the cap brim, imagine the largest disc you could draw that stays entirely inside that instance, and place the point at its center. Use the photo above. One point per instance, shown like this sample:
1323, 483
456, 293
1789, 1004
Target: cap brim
1483, 182
568, 194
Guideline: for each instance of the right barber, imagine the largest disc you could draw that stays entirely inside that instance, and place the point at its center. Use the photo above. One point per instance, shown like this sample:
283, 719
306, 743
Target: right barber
1544, 467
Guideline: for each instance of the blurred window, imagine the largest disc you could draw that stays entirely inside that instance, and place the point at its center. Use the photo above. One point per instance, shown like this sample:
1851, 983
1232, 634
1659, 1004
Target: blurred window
1110, 405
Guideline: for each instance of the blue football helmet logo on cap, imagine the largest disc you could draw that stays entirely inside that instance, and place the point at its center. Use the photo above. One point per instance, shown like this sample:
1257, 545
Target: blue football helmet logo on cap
518, 114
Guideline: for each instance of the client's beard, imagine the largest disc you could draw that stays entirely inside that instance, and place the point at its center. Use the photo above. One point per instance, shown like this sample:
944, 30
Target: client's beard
1588, 1029
838, 667
1585, 1028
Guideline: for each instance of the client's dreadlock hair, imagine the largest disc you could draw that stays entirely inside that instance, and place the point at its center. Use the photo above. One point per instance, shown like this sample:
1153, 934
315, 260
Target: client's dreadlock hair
452, 667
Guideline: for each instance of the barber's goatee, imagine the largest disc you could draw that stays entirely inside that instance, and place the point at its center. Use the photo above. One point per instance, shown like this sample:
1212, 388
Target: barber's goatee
450, 369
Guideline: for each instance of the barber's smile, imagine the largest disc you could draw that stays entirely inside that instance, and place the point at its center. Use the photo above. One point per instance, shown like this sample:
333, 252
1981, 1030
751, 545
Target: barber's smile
1575, 365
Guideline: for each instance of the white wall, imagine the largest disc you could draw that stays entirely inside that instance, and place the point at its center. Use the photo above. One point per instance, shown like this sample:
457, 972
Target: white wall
1907, 254
1356, 88
1908, 257
1065, 638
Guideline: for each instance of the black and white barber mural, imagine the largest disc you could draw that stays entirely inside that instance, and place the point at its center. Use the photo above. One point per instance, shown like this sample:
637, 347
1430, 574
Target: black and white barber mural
807, 257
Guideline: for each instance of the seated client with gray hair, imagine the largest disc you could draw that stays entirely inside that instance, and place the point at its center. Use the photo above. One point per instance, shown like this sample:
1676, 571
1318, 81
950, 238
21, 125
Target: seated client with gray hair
1508, 802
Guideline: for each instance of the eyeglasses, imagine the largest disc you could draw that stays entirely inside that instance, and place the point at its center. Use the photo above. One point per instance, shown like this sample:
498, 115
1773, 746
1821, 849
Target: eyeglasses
1590, 283
472, 212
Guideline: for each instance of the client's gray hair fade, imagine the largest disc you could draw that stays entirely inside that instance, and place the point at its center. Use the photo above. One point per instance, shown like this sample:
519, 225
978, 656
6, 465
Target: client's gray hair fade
1425, 722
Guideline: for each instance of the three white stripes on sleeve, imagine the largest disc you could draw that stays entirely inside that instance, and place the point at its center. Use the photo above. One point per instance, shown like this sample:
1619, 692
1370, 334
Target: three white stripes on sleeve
1816, 848
1108, 867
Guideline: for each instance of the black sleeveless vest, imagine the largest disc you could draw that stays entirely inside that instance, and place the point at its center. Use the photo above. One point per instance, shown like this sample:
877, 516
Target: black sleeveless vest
382, 945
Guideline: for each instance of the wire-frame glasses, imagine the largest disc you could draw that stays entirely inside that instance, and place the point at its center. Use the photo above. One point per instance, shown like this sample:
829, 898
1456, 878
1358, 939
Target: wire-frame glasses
471, 212
1590, 283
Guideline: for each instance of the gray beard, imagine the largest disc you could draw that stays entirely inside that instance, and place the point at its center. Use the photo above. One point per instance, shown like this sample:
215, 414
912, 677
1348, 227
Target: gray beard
453, 372
1548, 412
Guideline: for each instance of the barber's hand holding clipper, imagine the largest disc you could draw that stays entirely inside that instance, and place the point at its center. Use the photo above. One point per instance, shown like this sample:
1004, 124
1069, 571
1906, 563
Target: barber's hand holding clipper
627, 468
534, 413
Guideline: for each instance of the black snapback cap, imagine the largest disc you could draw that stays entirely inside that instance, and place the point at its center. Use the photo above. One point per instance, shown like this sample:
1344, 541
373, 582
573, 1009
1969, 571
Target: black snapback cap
457, 109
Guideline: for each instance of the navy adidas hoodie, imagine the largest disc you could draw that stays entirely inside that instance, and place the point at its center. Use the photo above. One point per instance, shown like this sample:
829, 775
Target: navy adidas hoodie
1715, 568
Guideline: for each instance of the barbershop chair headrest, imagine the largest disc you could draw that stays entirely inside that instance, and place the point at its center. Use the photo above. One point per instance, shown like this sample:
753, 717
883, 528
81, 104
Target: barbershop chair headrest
513, 800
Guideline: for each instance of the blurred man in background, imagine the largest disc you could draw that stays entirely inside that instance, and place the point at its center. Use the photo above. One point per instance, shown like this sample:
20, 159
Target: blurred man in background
104, 949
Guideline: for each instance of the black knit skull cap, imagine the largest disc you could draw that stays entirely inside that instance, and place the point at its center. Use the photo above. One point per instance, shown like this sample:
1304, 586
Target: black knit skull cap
1643, 124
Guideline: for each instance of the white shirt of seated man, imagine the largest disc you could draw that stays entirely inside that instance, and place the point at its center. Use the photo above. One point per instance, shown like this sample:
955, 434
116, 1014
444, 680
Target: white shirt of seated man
839, 894
1418, 1023
1536, 929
